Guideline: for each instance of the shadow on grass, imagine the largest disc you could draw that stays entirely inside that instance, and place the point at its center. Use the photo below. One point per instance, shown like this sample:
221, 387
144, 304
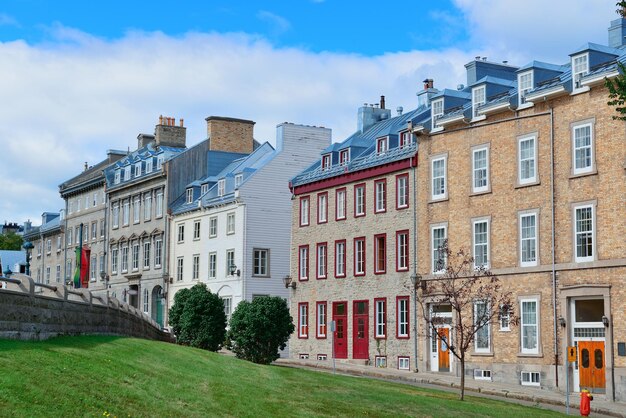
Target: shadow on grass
75, 341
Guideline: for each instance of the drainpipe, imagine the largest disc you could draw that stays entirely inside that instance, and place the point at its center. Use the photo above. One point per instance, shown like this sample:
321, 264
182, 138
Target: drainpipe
64, 243
554, 298
413, 167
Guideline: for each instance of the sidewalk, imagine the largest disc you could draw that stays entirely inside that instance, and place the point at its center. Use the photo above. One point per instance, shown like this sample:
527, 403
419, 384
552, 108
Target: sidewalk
600, 405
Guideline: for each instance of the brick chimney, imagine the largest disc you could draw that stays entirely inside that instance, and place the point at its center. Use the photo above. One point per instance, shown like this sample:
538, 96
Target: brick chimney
168, 134
230, 134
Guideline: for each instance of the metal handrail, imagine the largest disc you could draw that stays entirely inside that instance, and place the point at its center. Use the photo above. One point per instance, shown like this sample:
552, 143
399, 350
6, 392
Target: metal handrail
9, 280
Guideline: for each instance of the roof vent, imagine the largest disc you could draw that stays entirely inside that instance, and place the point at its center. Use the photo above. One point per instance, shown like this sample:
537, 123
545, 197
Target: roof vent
460, 87
399, 109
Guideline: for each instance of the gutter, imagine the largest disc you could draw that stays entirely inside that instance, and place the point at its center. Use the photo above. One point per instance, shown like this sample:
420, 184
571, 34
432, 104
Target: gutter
552, 222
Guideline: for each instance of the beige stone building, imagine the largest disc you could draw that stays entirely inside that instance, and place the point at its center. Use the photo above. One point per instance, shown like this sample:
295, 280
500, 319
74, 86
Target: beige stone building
47, 256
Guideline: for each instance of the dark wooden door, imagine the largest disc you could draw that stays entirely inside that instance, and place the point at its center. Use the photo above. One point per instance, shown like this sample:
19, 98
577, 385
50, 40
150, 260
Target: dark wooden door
443, 349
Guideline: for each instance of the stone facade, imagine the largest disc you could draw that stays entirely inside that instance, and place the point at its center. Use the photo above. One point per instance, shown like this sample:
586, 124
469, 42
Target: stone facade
47, 257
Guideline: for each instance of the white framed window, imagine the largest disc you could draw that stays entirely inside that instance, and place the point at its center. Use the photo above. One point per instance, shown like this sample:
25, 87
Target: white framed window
326, 162
138, 169
94, 231
406, 139
117, 179
380, 314
482, 338
524, 85
158, 252
189, 195
322, 208
114, 258
126, 212
228, 306
181, 232
322, 253
436, 110
58, 273
529, 326
439, 234
480, 169
340, 204
260, 262
136, 209
438, 174
480, 232
159, 204
402, 317
530, 378
344, 156
212, 265
584, 233
303, 262
48, 275
180, 263
380, 192
124, 259
380, 361
95, 199
78, 204
213, 227
238, 180
580, 67
195, 271
528, 233
59, 241
322, 357
382, 145
404, 363
115, 216
135, 256
527, 159
196, 229
482, 374
127, 173
221, 187
230, 223
304, 211
204, 188
359, 200
321, 319
160, 160
146, 300
146, 255
582, 148
147, 207
48, 246
230, 262
478, 98
149, 165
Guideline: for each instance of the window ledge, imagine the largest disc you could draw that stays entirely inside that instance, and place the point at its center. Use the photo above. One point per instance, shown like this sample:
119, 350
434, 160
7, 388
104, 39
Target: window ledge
525, 105
478, 118
588, 173
443, 199
437, 129
529, 184
530, 355
580, 90
480, 193
482, 354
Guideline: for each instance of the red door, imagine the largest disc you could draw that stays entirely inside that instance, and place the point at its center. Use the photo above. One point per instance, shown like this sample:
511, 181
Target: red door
360, 337
340, 313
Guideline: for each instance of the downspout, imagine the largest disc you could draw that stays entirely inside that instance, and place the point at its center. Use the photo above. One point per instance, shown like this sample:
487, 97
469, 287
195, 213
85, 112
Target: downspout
554, 299
105, 244
245, 252
413, 167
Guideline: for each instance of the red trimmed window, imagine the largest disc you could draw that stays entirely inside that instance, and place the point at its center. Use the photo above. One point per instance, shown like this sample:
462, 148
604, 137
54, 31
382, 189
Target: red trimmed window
382, 145
322, 208
322, 257
344, 157
359, 256
304, 210
380, 318
402, 191
326, 162
359, 200
340, 258
303, 262
303, 320
402, 317
321, 319
380, 196
406, 138
380, 253
340, 204
402, 250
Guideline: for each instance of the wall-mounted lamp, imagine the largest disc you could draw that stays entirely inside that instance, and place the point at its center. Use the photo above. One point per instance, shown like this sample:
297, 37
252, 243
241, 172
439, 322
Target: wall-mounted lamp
562, 322
605, 320
289, 282
232, 270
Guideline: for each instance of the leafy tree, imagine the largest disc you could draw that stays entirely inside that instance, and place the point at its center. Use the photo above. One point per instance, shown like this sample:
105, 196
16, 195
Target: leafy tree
11, 241
258, 329
617, 92
198, 319
475, 296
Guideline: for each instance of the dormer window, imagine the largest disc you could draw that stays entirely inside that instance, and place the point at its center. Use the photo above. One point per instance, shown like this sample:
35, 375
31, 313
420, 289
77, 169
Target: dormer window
580, 67
436, 110
478, 99
159, 162
238, 180
524, 85
149, 165
221, 187
204, 188
118, 176
127, 173
382, 145
189, 195
406, 139
138, 169
326, 162
344, 157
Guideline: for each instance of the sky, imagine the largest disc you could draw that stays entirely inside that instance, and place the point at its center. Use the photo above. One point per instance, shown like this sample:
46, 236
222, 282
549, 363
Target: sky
78, 78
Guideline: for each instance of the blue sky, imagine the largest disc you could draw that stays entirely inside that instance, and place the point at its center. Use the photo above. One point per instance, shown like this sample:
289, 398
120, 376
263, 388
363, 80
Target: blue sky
81, 77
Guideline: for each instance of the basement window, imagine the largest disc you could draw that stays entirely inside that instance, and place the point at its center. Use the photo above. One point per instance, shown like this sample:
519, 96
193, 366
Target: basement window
304, 356
480, 374
381, 361
322, 357
531, 379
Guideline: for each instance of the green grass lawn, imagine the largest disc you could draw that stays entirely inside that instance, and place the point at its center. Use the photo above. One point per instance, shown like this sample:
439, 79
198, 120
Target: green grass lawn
98, 376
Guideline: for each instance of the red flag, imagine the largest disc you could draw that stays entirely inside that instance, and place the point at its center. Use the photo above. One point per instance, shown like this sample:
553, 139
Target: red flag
85, 256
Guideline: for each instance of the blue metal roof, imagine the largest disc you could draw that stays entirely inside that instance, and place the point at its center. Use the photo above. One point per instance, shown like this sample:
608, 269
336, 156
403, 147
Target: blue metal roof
543, 66
590, 46
461, 94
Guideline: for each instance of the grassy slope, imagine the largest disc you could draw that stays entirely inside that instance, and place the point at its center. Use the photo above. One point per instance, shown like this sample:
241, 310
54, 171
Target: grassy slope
96, 376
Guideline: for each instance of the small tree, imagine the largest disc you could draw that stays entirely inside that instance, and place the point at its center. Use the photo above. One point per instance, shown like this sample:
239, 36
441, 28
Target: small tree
11, 241
617, 87
476, 299
198, 319
258, 329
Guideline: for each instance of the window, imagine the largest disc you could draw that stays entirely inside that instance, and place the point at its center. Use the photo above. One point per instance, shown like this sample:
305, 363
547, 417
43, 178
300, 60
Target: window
438, 240
221, 187
136, 209
326, 162
48, 246
404, 363
95, 199
48, 275
582, 142
481, 243
359, 256
228, 306
127, 173
159, 163
402, 250
114, 254
58, 273
135, 256
230, 223
322, 255
69, 236
102, 228
189, 195
213, 227
524, 85
261, 261
68, 270
77, 237
212, 265
321, 319
126, 212
322, 357
527, 160
204, 188
181, 232
380, 361
481, 323
480, 170
149, 165
102, 263
482, 374
146, 300
340, 204
340, 258
359, 200
179, 268
382, 145
137, 169
304, 211
230, 262
580, 67
529, 326
158, 251
196, 229
584, 233
124, 259
147, 207
195, 271
322, 208
78, 203
115, 215
531, 378
402, 317
146, 255
436, 110
528, 239
380, 249
94, 231
159, 204
438, 175
238, 180
402, 191
504, 318
303, 262
380, 196
344, 156
406, 139
478, 99
118, 177
59, 241
303, 320
380, 316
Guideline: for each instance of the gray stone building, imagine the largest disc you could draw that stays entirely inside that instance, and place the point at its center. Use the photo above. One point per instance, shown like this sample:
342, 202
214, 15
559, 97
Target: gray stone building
46, 257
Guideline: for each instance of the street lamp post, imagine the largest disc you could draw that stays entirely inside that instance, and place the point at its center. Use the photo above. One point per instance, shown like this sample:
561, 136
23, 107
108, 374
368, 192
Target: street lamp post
416, 280
28, 246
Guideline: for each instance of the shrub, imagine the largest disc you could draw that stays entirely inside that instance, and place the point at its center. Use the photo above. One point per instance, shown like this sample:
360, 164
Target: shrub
258, 329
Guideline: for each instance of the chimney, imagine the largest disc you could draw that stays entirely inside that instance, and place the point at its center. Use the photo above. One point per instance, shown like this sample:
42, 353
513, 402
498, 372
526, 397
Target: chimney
166, 133
423, 97
382, 102
617, 30
230, 134
86, 166
370, 114
399, 110
144, 139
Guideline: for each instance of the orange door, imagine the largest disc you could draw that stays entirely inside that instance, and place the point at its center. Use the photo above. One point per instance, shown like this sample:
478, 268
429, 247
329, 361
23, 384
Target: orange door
591, 369
443, 350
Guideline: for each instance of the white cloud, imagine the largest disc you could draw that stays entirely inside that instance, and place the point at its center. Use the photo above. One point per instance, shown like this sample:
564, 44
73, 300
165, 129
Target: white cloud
6, 20
278, 23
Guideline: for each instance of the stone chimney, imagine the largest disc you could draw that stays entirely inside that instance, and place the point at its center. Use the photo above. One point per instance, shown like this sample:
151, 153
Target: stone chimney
230, 134
168, 134
144, 139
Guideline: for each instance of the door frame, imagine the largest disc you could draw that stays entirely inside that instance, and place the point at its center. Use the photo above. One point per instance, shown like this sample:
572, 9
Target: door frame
355, 330
345, 330
434, 355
